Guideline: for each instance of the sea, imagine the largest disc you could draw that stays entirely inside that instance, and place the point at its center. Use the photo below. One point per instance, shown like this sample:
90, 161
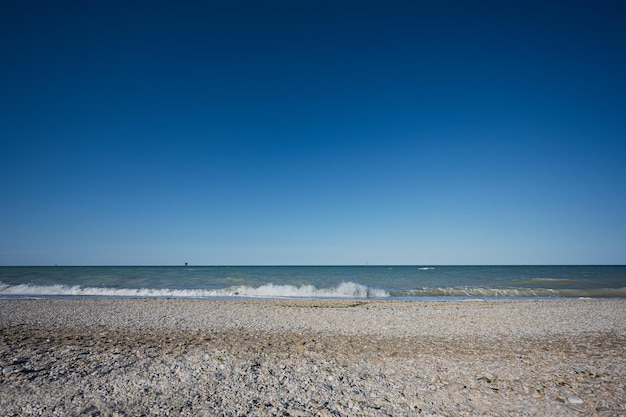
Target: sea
421, 282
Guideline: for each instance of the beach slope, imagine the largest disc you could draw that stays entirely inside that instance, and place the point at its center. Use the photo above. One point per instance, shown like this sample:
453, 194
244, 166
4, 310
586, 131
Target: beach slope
131, 357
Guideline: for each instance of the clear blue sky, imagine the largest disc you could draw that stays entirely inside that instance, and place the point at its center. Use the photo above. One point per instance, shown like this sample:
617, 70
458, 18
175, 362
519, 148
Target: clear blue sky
234, 133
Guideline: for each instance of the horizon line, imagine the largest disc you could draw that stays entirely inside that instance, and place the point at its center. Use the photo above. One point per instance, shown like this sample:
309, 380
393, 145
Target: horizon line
187, 265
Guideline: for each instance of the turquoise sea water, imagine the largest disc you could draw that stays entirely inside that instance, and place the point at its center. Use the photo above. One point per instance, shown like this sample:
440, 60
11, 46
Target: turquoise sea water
387, 282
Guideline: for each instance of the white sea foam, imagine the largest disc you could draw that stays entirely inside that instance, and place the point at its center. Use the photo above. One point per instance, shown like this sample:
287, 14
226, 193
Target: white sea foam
510, 292
479, 292
76, 290
343, 290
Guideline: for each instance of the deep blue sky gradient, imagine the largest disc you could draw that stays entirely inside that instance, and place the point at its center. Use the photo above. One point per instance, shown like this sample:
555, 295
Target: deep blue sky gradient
242, 132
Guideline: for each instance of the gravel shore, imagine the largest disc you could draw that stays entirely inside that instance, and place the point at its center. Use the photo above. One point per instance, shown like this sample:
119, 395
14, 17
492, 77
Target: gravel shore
132, 357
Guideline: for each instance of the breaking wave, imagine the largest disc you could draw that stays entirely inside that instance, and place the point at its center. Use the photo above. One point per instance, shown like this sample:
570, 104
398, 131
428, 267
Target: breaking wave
343, 290
511, 292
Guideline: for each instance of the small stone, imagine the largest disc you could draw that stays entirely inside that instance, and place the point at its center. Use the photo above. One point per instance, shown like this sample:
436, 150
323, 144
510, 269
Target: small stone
488, 378
92, 410
572, 399
576, 408
455, 386
13, 369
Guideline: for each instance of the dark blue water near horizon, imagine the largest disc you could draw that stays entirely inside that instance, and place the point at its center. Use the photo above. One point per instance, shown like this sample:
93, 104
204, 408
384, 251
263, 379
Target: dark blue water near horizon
424, 282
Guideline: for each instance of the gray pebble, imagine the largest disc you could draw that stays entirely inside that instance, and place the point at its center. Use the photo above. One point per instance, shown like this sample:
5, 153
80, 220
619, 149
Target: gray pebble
13, 369
572, 399
455, 386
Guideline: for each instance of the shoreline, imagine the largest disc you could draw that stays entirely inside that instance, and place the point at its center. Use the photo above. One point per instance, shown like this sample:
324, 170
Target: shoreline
311, 357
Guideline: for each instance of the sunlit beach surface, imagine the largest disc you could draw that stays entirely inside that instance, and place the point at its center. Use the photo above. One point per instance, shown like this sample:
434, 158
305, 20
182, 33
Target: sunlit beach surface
123, 357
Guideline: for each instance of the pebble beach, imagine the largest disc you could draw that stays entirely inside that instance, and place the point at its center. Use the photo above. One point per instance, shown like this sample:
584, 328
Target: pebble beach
296, 357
